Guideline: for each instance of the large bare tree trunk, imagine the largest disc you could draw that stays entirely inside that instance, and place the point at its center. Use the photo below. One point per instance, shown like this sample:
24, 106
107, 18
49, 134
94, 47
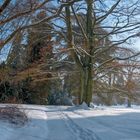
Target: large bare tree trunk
86, 67
86, 84
87, 70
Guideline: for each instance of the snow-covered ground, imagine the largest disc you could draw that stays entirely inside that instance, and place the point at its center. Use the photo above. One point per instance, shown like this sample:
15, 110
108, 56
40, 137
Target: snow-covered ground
75, 123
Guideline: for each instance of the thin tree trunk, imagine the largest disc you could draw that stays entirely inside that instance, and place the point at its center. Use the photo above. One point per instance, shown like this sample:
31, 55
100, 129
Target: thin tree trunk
70, 45
128, 102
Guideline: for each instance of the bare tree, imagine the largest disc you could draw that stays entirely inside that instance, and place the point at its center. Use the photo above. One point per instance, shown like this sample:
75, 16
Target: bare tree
130, 72
118, 19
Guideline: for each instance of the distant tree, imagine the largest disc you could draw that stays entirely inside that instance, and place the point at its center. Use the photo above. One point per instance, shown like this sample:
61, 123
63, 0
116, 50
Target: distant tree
130, 73
39, 40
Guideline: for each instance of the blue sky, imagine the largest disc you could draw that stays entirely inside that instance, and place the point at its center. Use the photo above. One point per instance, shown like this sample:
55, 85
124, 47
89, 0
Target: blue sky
137, 44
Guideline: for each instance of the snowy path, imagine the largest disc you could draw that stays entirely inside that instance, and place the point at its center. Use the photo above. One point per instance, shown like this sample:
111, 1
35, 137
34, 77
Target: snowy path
71, 123
95, 124
62, 127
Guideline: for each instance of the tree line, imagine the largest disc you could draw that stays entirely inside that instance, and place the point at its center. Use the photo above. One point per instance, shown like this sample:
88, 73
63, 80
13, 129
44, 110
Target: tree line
81, 42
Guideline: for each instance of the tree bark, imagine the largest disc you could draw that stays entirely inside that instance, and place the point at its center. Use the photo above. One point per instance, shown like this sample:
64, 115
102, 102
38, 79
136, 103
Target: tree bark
87, 67
87, 85
71, 45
